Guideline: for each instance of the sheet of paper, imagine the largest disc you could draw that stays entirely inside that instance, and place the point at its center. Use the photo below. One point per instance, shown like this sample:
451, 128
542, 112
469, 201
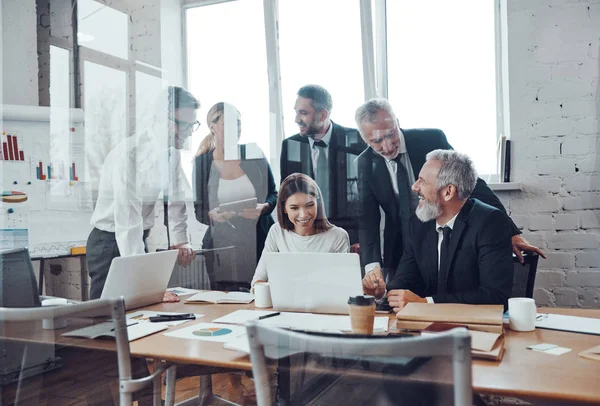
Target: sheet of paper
143, 316
209, 332
301, 321
542, 346
568, 323
557, 351
182, 291
240, 344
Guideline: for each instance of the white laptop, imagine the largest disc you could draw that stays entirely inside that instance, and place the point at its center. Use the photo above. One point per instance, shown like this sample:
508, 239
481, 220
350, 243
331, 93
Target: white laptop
141, 279
313, 282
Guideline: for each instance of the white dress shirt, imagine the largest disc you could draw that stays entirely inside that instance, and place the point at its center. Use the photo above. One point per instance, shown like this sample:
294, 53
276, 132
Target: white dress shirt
132, 178
392, 167
440, 230
314, 152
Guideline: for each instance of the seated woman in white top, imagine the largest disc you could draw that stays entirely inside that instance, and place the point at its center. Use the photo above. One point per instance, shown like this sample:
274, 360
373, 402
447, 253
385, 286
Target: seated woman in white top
302, 225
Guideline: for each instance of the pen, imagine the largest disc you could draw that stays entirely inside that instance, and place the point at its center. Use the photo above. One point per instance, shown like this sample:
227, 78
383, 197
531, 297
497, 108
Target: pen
132, 324
266, 316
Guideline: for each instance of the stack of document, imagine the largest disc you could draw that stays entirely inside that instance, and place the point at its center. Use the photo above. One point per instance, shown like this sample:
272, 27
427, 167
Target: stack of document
418, 316
221, 297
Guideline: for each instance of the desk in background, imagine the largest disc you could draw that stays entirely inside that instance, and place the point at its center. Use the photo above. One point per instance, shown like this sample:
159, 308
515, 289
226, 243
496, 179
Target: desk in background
85, 291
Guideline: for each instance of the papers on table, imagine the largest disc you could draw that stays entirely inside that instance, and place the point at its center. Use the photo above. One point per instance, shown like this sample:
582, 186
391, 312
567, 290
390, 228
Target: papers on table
209, 332
182, 291
240, 344
551, 349
568, 323
143, 316
300, 321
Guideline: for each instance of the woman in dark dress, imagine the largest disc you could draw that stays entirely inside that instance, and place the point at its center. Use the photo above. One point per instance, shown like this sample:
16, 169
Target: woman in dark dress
224, 174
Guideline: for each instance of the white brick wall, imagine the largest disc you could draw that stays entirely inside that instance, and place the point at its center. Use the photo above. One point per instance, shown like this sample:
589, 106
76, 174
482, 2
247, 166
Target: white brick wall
555, 106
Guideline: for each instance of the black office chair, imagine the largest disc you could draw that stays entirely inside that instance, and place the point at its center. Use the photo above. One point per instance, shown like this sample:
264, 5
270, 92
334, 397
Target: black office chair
524, 275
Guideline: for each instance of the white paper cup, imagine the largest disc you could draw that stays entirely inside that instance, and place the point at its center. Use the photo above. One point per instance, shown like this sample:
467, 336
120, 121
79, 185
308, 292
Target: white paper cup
521, 313
54, 324
262, 295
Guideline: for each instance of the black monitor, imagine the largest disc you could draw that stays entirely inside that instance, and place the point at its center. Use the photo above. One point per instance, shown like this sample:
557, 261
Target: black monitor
17, 279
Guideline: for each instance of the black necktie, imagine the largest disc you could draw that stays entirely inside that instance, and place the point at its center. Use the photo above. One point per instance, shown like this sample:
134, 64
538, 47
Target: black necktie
322, 175
444, 258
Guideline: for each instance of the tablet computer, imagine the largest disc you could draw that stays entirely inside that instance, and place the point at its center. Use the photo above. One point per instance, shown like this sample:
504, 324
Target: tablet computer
239, 205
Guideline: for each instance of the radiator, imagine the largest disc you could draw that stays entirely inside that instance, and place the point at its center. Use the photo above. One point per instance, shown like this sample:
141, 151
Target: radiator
193, 276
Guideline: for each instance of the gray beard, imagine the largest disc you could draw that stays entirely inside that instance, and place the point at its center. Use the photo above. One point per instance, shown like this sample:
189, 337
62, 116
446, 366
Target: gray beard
428, 211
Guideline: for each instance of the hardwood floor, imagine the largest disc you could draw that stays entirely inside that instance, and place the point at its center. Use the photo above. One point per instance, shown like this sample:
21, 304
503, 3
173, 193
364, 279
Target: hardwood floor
90, 378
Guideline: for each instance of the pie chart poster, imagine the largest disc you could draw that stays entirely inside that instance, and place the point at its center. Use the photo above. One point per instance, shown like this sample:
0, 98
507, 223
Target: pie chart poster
209, 332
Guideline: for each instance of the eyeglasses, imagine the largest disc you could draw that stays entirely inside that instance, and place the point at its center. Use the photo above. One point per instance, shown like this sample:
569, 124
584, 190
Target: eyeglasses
184, 125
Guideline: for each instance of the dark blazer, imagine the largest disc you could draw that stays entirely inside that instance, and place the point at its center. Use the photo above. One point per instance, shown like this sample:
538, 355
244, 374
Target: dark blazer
375, 189
261, 177
345, 145
480, 266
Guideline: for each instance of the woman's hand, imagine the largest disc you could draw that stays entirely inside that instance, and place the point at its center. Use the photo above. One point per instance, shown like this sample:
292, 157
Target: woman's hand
218, 216
253, 214
170, 297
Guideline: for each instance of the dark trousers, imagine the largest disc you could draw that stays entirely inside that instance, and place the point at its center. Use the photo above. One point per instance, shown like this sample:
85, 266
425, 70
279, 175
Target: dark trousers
101, 248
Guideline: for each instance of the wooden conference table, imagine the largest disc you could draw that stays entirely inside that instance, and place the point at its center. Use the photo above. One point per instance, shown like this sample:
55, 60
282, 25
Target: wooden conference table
529, 375
522, 373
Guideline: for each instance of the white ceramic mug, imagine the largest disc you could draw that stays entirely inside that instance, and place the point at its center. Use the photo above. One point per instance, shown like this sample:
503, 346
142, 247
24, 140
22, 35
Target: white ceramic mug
521, 313
262, 295
57, 323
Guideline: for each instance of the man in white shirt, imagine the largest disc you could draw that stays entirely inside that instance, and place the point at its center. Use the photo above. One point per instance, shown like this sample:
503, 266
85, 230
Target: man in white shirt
132, 178
385, 172
459, 249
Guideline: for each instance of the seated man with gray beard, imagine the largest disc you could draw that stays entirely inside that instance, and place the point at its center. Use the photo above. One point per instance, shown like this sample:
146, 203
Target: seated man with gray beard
459, 250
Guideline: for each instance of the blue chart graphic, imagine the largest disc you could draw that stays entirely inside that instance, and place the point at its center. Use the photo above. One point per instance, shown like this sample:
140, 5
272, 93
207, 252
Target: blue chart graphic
212, 332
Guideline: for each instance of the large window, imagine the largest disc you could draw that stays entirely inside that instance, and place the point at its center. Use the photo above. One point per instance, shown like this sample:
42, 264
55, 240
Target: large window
439, 64
441, 72
320, 43
227, 62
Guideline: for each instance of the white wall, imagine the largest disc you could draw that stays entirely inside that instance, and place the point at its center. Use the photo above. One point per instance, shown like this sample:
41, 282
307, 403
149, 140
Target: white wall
554, 110
19, 81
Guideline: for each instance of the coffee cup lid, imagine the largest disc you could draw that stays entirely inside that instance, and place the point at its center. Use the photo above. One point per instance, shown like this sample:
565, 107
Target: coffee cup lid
362, 300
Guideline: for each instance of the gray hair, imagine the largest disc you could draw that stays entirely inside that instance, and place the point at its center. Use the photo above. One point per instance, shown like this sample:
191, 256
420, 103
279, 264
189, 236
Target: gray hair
367, 112
321, 99
457, 169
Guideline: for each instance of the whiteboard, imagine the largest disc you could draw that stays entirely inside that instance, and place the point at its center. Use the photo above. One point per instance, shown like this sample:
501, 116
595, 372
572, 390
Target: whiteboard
42, 156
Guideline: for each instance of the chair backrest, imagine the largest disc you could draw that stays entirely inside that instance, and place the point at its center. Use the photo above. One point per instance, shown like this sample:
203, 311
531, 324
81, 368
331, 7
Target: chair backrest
17, 280
524, 275
430, 367
26, 325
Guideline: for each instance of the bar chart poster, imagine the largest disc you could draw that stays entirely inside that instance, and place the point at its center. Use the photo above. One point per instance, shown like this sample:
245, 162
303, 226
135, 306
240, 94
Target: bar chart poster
55, 171
11, 149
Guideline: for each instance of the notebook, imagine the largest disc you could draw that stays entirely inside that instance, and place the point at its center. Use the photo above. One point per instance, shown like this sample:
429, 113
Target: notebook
221, 297
105, 330
484, 344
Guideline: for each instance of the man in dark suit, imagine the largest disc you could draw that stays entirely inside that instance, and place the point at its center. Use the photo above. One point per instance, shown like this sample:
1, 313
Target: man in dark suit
458, 250
326, 152
386, 171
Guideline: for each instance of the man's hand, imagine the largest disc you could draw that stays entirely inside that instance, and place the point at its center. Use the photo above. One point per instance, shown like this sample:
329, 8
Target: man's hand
398, 298
170, 297
355, 248
253, 214
186, 254
520, 244
373, 283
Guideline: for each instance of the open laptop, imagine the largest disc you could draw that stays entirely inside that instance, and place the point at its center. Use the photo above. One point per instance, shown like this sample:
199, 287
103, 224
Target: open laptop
313, 282
141, 279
